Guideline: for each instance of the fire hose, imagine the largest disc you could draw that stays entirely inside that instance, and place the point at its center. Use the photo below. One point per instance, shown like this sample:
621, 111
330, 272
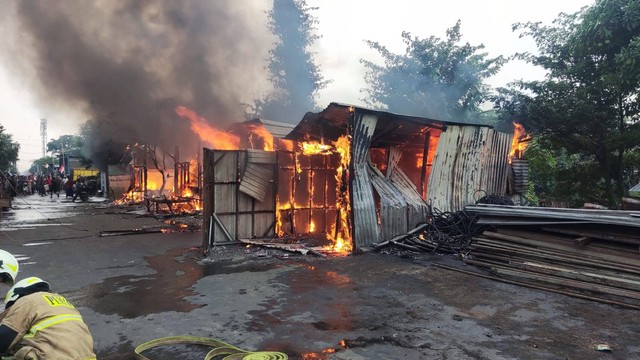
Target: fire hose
219, 348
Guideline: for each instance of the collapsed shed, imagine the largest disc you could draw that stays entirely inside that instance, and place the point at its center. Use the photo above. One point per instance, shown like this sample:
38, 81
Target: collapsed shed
352, 175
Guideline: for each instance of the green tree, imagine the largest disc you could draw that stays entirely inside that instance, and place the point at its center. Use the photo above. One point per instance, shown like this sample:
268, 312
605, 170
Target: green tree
442, 79
43, 165
66, 144
294, 75
588, 103
8, 151
69, 146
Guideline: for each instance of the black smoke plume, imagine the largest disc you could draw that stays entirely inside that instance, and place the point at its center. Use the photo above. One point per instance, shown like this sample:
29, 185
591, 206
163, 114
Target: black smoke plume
127, 64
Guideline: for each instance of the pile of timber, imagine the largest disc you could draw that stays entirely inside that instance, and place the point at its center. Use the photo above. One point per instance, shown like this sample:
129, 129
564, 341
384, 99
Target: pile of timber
593, 254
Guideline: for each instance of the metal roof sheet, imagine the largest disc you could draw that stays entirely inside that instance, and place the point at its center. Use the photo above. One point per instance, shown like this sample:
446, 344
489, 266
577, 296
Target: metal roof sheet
392, 129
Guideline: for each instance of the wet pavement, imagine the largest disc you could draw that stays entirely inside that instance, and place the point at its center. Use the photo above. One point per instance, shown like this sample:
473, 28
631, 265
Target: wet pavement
131, 289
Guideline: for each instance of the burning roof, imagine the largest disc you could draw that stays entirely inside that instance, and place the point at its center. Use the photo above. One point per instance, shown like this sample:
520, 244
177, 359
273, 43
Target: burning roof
391, 129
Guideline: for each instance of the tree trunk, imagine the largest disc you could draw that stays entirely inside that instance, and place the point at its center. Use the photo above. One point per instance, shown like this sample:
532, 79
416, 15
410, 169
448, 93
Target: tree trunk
602, 156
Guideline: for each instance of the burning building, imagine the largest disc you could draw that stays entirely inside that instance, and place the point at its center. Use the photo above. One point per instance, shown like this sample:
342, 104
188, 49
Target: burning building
350, 175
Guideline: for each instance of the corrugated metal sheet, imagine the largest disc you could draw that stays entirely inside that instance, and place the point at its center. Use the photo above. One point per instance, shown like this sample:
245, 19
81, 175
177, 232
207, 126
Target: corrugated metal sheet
229, 213
393, 207
520, 175
255, 181
363, 208
469, 161
417, 208
395, 128
276, 128
261, 157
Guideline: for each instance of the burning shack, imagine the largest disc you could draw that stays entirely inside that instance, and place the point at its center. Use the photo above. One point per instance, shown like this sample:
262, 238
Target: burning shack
350, 176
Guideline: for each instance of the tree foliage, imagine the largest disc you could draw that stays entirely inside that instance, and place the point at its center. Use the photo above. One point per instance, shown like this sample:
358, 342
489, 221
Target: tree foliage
43, 165
588, 103
295, 77
66, 144
442, 79
8, 151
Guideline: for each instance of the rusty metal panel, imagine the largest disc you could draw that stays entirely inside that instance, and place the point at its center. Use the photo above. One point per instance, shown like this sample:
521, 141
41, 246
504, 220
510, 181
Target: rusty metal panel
363, 208
302, 185
520, 175
496, 163
469, 161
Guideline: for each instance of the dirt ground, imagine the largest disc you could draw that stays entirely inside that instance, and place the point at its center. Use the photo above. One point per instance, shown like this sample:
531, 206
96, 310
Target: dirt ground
134, 288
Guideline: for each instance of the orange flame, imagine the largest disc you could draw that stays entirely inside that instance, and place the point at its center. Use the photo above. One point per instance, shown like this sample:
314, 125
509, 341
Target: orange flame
316, 148
264, 134
342, 240
433, 146
340, 233
216, 138
519, 142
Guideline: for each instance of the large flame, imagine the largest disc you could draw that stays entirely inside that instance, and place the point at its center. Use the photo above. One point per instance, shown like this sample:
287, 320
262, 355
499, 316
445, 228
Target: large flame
342, 239
316, 148
340, 233
520, 141
263, 134
433, 146
216, 138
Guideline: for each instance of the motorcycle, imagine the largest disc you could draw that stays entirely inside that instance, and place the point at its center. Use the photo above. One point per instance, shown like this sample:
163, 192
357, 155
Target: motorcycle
82, 191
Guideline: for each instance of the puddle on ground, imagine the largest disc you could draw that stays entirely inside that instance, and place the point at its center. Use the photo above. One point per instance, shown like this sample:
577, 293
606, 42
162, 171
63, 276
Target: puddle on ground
329, 294
134, 296
229, 267
166, 290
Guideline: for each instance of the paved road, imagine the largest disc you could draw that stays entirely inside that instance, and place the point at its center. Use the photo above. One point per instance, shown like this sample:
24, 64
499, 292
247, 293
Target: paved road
375, 306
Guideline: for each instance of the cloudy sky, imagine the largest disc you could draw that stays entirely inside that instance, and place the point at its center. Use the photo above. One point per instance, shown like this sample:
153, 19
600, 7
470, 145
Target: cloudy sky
343, 25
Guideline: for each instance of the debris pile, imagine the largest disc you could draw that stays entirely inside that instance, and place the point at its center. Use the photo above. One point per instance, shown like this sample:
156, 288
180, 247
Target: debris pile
592, 254
444, 232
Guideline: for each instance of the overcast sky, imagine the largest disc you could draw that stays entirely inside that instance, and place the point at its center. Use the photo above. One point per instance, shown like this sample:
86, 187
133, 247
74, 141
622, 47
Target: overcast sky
343, 25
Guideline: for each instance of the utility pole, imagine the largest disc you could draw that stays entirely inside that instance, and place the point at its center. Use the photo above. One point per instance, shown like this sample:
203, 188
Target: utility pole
43, 135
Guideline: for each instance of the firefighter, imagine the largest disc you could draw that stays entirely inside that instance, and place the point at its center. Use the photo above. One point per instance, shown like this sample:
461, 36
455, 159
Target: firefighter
40, 324
8, 268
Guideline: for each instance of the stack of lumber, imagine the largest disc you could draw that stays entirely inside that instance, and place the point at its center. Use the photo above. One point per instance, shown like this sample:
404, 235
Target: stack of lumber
593, 254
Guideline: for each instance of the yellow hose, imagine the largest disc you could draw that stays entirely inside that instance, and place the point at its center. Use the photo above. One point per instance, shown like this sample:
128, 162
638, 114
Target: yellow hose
219, 348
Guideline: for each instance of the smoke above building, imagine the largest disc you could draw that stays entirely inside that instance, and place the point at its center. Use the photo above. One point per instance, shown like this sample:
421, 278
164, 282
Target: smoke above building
128, 64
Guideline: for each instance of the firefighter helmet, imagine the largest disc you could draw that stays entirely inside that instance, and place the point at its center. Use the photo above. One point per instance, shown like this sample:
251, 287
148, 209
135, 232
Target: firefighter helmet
25, 287
8, 267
